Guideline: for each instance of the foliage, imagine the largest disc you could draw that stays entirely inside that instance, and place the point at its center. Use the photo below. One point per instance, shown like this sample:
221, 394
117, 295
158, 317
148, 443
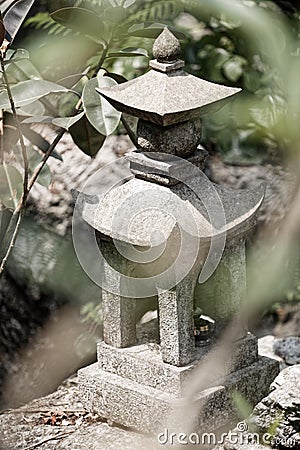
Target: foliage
29, 97
218, 51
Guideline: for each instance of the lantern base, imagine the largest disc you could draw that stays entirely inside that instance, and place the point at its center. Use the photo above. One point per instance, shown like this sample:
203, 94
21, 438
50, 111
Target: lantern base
133, 387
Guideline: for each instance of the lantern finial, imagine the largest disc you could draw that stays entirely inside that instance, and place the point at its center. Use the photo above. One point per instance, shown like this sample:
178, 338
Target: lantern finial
166, 48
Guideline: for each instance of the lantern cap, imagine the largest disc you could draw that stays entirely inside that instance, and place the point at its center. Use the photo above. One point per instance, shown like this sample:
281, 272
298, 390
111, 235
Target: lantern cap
167, 95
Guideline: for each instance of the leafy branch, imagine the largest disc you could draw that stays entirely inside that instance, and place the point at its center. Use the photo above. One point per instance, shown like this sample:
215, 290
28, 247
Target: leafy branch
28, 99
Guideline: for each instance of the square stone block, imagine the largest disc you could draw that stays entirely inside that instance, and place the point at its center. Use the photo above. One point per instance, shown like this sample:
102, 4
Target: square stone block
144, 364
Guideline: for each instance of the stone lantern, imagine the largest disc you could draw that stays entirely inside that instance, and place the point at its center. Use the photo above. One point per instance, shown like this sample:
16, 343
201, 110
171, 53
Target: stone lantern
158, 232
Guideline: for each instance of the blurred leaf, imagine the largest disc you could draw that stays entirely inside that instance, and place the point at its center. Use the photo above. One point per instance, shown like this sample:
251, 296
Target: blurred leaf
267, 113
104, 117
128, 3
11, 185
128, 52
252, 80
153, 30
242, 405
34, 159
115, 15
83, 20
86, 137
67, 122
33, 109
24, 68
233, 69
10, 137
27, 92
71, 80
14, 13
19, 53
245, 148
38, 119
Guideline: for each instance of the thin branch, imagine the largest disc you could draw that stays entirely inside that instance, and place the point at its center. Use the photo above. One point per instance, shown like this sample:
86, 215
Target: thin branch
11, 244
14, 224
102, 59
1, 136
51, 438
18, 126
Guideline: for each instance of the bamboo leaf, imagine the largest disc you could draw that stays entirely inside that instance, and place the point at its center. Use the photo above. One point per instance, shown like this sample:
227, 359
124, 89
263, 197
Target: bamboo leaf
11, 185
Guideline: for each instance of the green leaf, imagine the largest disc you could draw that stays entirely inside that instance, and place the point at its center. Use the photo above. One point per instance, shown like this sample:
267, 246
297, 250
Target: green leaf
67, 122
86, 137
104, 117
14, 13
27, 92
128, 52
11, 185
153, 30
83, 20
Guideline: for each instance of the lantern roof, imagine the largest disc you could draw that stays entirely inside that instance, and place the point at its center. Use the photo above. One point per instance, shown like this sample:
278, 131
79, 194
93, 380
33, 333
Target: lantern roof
116, 214
166, 94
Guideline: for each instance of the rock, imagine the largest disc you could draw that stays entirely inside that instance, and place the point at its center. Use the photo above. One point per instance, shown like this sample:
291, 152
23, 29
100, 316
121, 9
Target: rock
59, 422
275, 421
265, 348
288, 349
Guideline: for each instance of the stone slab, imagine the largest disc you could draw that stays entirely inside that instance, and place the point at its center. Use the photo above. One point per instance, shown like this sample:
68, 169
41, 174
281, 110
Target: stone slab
143, 364
147, 409
165, 169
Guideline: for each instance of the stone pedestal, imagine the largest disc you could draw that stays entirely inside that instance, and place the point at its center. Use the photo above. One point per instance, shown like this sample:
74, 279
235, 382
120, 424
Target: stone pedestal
135, 388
